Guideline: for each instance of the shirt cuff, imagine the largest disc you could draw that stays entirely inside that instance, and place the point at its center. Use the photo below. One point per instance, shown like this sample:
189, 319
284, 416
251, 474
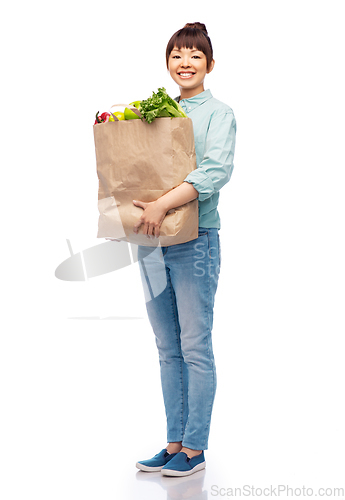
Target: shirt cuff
202, 183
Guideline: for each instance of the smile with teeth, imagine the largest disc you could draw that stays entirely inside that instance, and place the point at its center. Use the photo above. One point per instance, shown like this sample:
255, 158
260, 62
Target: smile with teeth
186, 74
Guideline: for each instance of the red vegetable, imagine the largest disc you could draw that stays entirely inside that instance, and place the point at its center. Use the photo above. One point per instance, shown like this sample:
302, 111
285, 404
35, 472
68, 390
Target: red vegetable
103, 118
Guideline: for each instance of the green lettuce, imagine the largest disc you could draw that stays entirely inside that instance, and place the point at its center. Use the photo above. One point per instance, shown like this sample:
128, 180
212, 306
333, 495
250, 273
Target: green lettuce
160, 105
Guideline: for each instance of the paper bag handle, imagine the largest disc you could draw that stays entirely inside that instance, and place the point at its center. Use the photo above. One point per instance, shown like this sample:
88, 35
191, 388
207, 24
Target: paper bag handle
132, 108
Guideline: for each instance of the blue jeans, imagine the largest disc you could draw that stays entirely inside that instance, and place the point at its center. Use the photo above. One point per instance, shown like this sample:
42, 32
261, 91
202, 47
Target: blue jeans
181, 317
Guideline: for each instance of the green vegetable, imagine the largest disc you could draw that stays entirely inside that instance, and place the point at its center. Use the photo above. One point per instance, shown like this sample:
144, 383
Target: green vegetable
160, 105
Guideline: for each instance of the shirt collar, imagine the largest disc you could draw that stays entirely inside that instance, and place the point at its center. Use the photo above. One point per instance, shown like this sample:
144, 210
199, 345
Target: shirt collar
195, 101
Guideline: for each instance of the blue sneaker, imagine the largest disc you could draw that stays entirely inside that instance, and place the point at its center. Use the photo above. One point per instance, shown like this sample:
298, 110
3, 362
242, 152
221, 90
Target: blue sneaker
181, 465
156, 463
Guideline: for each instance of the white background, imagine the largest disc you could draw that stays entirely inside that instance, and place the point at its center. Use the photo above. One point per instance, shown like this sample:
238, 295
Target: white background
81, 400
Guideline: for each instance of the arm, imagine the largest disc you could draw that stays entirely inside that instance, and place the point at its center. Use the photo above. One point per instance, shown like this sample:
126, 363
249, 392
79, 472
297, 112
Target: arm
217, 165
178, 196
155, 211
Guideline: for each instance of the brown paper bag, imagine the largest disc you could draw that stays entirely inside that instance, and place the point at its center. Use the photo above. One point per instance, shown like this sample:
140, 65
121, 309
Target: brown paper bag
141, 161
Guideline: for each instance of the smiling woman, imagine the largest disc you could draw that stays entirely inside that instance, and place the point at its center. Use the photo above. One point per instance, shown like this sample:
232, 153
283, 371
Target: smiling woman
182, 315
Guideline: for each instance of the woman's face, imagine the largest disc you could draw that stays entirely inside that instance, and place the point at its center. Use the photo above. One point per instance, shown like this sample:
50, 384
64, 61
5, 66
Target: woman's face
188, 68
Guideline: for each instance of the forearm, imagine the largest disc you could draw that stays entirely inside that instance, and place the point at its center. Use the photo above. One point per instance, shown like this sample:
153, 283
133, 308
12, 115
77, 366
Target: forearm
178, 196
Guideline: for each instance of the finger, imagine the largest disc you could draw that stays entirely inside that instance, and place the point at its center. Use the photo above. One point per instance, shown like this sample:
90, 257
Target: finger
151, 230
144, 227
157, 231
140, 204
137, 225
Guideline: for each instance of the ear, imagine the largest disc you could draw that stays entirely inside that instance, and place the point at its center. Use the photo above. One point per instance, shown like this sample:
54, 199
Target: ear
211, 66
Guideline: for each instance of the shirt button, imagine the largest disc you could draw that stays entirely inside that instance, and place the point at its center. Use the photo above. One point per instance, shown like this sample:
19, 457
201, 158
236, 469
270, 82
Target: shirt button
190, 107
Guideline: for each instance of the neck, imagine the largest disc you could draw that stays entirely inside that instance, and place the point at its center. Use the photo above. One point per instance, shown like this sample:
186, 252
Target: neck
188, 93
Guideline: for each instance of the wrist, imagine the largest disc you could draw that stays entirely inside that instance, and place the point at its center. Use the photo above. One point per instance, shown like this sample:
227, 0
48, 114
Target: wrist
163, 204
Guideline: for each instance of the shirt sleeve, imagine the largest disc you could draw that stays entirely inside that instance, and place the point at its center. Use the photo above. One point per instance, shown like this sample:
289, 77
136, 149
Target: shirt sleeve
217, 165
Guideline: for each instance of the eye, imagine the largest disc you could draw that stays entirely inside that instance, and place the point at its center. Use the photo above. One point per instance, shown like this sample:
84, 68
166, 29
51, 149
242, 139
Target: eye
197, 57
176, 57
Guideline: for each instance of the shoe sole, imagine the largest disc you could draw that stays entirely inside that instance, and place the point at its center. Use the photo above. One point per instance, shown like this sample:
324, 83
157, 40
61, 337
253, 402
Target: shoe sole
146, 468
172, 472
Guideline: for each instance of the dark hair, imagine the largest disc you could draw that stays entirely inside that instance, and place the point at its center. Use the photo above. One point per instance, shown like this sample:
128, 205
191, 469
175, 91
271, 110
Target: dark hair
190, 36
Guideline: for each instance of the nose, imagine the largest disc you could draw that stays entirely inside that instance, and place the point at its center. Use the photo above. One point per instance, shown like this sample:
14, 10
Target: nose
185, 63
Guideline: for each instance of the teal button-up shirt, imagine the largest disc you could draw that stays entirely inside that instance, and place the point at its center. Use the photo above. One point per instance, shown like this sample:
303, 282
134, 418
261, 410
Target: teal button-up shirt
214, 127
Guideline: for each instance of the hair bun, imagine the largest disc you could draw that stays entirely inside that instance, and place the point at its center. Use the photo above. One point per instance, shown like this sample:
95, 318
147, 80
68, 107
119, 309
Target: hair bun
198, 26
